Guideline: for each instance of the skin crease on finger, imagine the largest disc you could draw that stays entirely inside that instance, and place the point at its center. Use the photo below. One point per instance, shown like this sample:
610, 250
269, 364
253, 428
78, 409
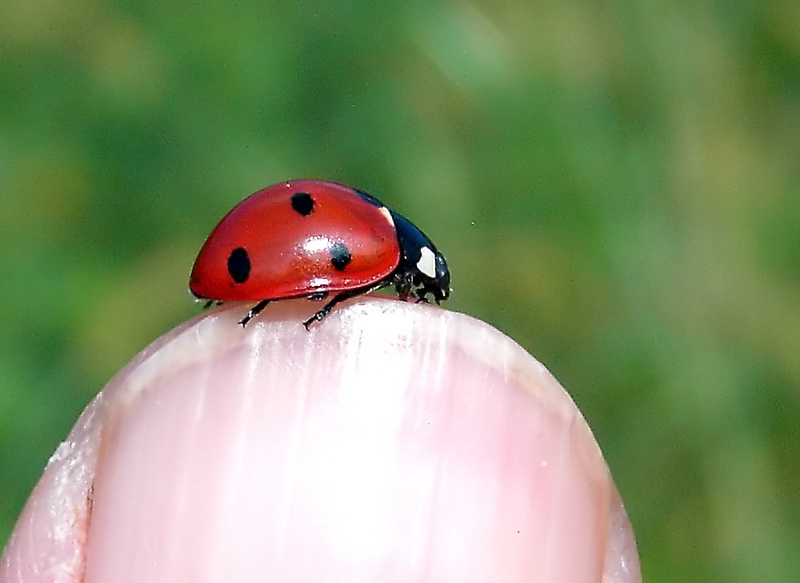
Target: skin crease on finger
393, 442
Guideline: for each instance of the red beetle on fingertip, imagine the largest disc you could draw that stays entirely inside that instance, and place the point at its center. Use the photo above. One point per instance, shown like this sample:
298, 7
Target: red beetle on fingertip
315, 239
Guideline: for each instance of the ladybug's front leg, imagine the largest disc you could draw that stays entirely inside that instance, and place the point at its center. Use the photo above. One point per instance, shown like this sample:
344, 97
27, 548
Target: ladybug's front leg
403, 286
422, 296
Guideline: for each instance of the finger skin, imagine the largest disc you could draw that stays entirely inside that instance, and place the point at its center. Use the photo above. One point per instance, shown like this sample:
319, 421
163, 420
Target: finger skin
392, 442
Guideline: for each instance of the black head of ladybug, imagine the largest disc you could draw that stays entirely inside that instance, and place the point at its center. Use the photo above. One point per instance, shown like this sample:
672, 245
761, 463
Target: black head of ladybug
422, 269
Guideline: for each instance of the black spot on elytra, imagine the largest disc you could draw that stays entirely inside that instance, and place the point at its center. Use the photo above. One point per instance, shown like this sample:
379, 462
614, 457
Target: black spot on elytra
340, 256
239, 265
302, 203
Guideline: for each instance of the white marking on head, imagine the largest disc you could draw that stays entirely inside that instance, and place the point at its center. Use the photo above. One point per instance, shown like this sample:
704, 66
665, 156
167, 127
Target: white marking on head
387, 214
427, 262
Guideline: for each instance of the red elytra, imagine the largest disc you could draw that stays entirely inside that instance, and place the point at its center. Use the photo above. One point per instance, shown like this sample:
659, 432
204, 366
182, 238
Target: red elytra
309, 238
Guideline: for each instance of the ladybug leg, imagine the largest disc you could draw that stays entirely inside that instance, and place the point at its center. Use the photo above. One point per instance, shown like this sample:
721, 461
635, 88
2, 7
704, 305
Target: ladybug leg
327, 307
421, 296
340, 298
408, 288
403, 287
253, 312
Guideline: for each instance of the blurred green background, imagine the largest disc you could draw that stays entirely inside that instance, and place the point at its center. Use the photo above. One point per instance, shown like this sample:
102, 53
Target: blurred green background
615, 186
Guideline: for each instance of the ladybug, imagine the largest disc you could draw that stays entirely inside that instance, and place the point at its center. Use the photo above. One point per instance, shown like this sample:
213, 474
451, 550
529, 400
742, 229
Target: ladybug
315, 239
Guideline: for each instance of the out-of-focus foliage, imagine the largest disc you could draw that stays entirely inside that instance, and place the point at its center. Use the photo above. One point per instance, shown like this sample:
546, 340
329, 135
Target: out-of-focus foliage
615, 186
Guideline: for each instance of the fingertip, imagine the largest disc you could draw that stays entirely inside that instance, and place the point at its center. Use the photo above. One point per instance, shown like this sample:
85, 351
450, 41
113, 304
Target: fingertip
389, 440
622, 559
